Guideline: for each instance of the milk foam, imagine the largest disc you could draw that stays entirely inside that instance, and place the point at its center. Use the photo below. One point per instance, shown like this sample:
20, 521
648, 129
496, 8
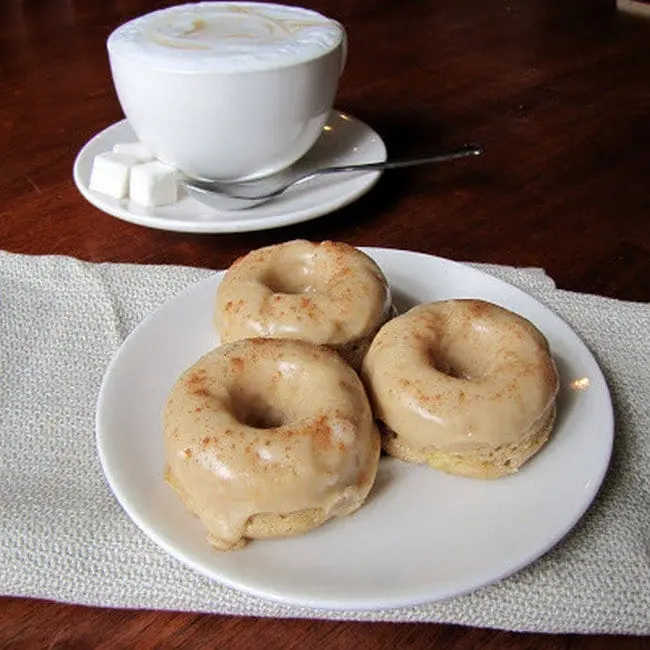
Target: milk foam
225, 36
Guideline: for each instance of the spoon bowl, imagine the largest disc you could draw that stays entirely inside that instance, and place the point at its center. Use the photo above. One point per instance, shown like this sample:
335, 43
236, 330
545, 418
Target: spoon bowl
246, 194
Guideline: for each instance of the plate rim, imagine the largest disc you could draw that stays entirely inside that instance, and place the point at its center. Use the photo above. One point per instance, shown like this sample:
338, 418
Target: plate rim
364, 183
354, 604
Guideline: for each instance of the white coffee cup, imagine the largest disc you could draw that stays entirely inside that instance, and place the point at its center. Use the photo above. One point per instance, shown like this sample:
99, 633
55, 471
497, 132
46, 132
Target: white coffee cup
228, 90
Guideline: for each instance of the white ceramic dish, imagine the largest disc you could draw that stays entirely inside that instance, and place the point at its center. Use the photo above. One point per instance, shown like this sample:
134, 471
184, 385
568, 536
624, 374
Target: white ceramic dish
345, 140
422, 535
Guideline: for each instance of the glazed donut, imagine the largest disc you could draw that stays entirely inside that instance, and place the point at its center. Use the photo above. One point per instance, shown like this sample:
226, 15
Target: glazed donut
254, 451
328, 293
463, 385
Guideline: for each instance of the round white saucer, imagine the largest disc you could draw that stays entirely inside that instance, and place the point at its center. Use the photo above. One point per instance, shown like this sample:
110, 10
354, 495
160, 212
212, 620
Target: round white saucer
345, 140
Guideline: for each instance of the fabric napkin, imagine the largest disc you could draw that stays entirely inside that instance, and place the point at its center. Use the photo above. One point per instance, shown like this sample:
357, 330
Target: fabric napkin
64, 537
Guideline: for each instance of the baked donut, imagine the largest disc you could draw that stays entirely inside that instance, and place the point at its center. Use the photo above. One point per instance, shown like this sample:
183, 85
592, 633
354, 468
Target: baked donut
463, 385
329, 293
269, 438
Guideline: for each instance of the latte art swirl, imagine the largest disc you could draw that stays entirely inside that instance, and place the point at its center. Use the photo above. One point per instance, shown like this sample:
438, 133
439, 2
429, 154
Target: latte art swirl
227, 36
235, 26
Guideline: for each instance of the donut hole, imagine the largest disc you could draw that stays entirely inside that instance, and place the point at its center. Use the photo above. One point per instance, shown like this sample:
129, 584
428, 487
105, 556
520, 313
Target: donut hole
254, 410
295, 281
456, 363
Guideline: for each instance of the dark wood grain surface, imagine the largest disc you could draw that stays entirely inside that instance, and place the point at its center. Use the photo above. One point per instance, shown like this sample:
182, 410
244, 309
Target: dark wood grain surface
559, 94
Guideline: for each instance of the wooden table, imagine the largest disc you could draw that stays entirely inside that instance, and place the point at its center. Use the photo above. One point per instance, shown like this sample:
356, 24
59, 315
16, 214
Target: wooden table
559, 94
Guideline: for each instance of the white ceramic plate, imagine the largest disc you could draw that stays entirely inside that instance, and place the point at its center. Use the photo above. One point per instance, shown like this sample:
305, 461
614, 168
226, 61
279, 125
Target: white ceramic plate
345, 141
423, 535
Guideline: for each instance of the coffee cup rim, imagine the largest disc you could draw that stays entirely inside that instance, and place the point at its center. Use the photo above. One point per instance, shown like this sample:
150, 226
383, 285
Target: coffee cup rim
255, 65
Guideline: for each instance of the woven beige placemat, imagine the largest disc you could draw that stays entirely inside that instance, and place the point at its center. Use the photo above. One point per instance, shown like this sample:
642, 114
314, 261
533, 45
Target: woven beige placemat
64, 537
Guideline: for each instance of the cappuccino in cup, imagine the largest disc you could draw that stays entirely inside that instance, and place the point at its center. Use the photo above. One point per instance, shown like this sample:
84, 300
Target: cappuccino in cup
228, 90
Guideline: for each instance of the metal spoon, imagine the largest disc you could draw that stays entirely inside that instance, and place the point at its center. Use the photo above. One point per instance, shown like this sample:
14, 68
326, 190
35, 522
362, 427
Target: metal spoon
246, 194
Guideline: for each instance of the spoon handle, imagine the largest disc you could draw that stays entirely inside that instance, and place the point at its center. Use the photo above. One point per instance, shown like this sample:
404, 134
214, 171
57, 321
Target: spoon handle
463, 152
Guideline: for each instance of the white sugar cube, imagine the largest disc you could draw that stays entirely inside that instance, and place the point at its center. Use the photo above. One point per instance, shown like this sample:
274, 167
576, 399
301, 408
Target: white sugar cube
154, 184
110, 174
135, 149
